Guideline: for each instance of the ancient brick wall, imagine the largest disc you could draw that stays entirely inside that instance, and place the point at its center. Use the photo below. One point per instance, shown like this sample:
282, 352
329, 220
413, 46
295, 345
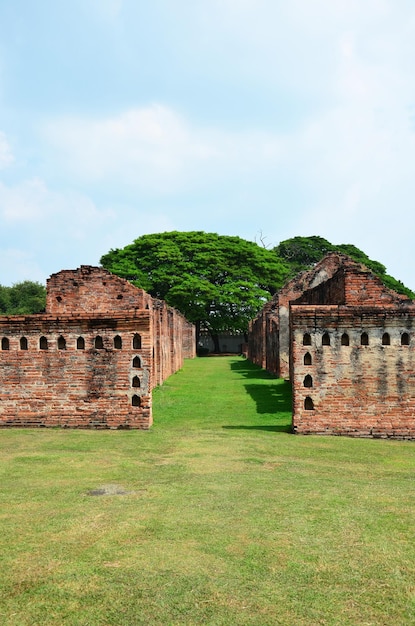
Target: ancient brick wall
336, 279
92, 290
353, 370
347, 344
269, 333
93, 359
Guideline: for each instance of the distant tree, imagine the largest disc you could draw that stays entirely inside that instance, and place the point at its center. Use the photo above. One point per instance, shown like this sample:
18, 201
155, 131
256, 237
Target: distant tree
218, 282
301, 253
4, 300
22, 298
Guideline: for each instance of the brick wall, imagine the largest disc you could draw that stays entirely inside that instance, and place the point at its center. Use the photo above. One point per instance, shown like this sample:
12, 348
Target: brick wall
269, 333
347, 343
336, 279
92, 360
342, 387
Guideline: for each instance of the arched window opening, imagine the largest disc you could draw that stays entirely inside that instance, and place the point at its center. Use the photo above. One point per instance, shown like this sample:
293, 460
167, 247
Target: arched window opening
117, 342
345, 339
23, 343
308, 404
405, 339
364, 339
43, 343
137, 342
61, 343
99, 344
307, 359
5, 343
308, 381
136, 361
136, 400
80, 343
307, 339
325, 339
136, 382
386, 340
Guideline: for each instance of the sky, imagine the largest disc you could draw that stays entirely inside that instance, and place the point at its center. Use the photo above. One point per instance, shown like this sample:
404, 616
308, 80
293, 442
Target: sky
266, 119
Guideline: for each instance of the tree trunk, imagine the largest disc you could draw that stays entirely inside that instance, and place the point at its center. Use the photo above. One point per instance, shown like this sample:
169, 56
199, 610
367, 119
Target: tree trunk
215, 339
197, 334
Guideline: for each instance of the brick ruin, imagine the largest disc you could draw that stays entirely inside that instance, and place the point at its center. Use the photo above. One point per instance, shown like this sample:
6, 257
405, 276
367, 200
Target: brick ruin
93, 358
346, 343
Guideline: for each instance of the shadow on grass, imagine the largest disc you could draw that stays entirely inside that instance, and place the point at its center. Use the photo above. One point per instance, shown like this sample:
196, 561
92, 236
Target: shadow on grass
275, 428
271, 398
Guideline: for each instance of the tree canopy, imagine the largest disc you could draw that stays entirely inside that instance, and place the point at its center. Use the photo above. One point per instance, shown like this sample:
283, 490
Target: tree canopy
218, 282
301, 253
22, 298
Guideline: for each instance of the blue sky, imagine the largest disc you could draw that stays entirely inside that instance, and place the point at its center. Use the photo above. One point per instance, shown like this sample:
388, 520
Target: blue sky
269, 118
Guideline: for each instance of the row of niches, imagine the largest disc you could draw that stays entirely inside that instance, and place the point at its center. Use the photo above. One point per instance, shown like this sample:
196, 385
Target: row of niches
364, 340
98, 343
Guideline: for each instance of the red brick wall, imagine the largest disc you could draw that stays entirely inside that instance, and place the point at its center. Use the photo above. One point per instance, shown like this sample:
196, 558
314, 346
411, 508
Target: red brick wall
357, 390
336, 279
92, 290
75, 387
93, 387
269, 338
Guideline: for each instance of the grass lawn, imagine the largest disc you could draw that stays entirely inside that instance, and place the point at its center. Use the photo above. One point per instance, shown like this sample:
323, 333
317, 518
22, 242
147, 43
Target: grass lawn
216, 516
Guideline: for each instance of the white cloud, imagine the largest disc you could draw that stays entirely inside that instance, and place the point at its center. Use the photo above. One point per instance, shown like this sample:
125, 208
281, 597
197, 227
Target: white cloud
19, 265
6, 156
32, 202
156, 149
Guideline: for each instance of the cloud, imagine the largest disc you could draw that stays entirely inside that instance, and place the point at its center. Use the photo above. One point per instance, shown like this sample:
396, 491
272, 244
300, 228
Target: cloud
6, 156
32, 202
18, 265
156, 149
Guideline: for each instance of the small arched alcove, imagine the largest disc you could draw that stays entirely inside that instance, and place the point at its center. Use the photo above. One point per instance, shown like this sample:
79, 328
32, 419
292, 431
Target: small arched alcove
99, 343
80, 343
136, 382
23, 343
308, 381
136, 400
137, 342
405, 339
136, 361
308, 404
325, 340
307, 359
386, 340
43, 343
307, 339
5, 343
117, 342
345, 341
364, 339
61, 343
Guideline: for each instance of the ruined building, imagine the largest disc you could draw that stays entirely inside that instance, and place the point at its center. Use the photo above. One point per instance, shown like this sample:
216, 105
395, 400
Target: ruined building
347, 344
92, 359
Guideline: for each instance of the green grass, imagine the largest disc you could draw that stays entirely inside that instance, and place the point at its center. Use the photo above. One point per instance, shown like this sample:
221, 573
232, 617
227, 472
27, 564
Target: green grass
226, 518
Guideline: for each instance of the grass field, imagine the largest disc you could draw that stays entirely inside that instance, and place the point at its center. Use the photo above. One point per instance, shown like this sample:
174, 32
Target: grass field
216, 516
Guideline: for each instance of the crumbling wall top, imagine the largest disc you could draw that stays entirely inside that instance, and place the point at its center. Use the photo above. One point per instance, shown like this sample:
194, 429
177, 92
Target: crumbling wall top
92, 290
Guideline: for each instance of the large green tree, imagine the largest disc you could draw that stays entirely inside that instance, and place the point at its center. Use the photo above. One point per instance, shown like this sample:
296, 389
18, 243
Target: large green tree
218, 282
300, 253
22, 298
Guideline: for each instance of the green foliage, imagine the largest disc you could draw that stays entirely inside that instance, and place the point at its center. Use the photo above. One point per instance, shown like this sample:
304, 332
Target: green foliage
218, 282
301, 253
22, 298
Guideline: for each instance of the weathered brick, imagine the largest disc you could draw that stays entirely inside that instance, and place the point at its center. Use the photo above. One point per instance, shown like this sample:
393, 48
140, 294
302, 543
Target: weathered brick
356, 389
96, 325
